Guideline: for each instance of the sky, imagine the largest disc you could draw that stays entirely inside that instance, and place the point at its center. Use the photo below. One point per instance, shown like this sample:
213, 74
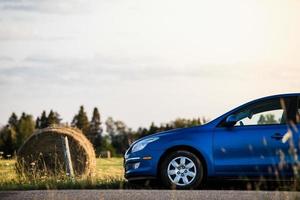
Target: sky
145, 61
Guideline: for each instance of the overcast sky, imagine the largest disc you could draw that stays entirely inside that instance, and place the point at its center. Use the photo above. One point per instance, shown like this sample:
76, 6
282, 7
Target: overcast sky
141, 61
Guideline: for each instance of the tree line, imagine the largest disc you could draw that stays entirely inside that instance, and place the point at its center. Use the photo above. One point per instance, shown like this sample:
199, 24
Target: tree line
117, 139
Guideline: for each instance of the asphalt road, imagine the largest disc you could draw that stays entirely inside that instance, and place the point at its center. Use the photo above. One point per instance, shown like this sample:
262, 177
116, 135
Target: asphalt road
146, 194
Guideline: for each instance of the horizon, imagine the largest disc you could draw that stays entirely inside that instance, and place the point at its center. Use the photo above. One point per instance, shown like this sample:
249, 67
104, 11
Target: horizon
142, 62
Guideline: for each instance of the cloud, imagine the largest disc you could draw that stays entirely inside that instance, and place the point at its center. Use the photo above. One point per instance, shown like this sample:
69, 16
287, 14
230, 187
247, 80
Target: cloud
6, 59
104, 70
13, 33
100, 69
120, 68
43, 59
18, 36
45, 6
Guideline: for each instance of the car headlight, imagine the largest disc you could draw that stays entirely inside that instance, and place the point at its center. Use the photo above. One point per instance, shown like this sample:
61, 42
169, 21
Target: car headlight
142, 144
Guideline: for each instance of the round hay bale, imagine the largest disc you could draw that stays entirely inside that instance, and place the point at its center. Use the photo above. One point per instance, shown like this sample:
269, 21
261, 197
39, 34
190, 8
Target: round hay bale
43, 153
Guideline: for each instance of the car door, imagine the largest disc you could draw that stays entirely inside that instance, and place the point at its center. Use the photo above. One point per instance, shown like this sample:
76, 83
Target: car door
254, 146
297, 131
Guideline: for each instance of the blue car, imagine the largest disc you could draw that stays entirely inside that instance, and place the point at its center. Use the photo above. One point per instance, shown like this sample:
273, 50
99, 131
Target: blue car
257, 139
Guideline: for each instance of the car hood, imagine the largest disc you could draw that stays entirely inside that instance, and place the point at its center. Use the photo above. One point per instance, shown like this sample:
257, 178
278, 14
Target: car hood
177, 131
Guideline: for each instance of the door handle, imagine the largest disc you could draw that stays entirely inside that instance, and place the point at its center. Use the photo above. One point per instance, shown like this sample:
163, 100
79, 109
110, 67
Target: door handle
277, 136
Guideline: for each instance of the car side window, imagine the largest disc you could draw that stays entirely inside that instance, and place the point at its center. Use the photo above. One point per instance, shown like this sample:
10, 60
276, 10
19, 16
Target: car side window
264, 113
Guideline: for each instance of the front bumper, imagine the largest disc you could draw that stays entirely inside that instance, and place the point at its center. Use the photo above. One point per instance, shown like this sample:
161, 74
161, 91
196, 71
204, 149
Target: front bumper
141, 165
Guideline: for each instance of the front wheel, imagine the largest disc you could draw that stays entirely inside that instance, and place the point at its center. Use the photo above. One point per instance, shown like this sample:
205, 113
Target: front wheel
182, 170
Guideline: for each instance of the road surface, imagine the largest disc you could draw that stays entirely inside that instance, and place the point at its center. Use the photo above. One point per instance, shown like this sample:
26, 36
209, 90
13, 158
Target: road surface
146, 194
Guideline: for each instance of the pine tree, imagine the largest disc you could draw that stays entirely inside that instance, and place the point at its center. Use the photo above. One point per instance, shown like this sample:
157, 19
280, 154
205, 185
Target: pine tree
13, 121
153, 128
37, 123
25, 129
81, 121
95, 129
53, 118
43, 120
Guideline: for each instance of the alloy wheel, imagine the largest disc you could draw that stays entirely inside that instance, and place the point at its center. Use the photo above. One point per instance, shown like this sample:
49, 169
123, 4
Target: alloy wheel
181, 171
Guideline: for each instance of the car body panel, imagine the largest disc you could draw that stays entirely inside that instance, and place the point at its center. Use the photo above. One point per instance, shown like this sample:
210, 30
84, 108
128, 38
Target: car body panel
250, 151
178, 139
227, 151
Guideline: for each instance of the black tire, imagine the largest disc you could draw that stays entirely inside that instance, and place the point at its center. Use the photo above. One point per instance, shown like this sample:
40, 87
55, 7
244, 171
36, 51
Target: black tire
198, 178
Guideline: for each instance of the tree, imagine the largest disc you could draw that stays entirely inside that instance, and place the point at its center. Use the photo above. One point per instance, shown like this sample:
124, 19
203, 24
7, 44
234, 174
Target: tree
43, 120
121, 139
177, 123
105, 146
37, 123
8, 136
13, 121
95, 130
8, 140
125, 133
184, 123
120, 135
81, 121
153, 128
25, 128
110, 127
267, 119
141, 132
53, 118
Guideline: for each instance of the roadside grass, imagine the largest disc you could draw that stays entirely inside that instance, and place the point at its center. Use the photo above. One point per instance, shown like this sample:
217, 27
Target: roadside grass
109, 175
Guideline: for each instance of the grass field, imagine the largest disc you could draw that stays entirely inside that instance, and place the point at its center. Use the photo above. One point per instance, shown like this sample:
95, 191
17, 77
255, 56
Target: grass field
109, 175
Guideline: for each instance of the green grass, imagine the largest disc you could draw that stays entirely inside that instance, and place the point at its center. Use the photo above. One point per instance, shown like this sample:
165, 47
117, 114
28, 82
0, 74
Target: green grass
109, 175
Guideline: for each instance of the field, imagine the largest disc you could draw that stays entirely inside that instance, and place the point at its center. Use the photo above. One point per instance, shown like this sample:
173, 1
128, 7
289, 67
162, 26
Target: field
109, 175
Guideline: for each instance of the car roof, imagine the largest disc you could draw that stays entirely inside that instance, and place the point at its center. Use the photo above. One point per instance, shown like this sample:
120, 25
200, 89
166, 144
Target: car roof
268, 97
274, 96
283, 95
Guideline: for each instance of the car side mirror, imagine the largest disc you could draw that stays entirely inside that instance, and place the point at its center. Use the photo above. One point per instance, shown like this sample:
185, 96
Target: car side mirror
231, 120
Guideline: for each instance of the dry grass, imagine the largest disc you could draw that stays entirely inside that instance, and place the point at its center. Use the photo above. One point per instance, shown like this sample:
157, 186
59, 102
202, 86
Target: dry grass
109, 174
7, 171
